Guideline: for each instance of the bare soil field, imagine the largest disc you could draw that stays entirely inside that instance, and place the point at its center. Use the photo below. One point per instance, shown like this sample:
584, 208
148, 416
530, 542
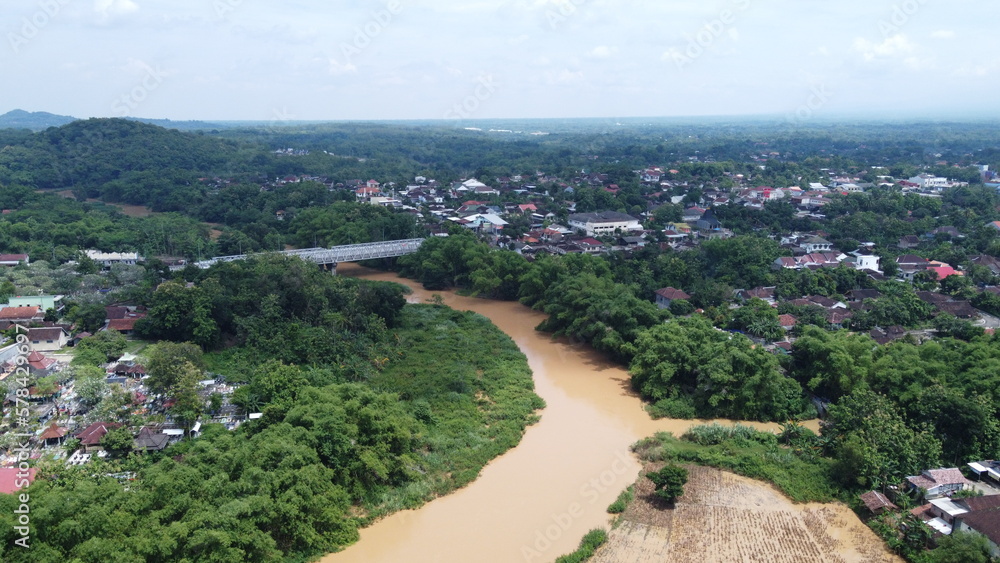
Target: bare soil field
727, 518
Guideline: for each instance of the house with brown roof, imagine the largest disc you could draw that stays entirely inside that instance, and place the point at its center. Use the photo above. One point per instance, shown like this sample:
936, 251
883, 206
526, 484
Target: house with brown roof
877, 503
787, 322
765, 293
935, 483
48, 339
983, 517
20, 315
39, 364
53, 435
13, 259
90, 437
150, 440
12, 479
667, 295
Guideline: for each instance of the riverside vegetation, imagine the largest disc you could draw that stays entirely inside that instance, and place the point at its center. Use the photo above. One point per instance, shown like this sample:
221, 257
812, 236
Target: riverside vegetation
369, 406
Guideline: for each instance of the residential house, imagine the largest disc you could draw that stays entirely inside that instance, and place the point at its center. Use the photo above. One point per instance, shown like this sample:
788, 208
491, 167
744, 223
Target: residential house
48, 339
591, 245
930, 182
667, 295
935, 483
39, 364
787, 322
486, 223
908, 242
986, 261
884, 336
150, 440
944, 271
13, 259
982, 517
53, 435
674, 238
108, 259
862, 294
959, 309
948, 231
986, 470
43, 302
90, 437
604, 223
13, 479
708, 221
877, 503
693, 214
864, 261
814, 245
764, 293
20, 315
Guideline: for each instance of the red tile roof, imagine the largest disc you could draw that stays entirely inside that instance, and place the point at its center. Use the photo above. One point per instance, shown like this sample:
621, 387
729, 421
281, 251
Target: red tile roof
53, 432
876, 501
19, 313
671, 293
9, 479
122, 325
936, 477
787, 320
91, 435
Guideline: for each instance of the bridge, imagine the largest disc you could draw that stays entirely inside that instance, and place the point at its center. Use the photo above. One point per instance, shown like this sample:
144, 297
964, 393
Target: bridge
337, 254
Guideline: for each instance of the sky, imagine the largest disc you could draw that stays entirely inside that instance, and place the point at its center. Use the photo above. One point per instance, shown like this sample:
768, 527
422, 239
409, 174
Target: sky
488, 59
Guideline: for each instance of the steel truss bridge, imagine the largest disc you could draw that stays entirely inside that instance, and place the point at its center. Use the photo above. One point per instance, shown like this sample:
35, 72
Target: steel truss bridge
337, 254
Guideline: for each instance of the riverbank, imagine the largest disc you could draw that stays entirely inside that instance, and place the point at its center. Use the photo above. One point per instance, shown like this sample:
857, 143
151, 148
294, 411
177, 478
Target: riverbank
536, 501
722, 517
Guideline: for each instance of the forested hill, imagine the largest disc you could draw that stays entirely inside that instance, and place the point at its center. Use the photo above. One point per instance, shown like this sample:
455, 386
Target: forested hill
36, 121
115, 159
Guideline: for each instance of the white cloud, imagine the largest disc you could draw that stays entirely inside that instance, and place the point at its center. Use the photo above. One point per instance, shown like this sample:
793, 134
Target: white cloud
566, 76
943, 34
108, 8
338, 69
603, 52
893, 47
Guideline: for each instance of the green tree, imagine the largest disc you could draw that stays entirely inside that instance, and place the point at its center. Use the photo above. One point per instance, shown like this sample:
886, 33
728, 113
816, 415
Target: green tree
168, 361
188, 404
831, 364
757, 318
963, 547
110, 343
88, 318
118, 441
669, 482
871, 443
91, 390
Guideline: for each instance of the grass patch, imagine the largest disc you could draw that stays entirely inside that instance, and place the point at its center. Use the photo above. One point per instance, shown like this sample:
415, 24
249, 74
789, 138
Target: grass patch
471, 388
798, 472
621, 503
593, 540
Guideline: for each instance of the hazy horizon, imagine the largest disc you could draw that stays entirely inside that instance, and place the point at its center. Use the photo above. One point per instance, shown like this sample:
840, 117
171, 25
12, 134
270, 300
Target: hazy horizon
390, 60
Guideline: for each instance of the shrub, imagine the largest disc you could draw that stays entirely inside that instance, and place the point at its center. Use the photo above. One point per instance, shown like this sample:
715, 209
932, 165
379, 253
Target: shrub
593, 540
669, 481
622, 502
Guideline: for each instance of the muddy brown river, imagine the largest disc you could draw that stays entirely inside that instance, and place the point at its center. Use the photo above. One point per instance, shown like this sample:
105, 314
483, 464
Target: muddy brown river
535, 502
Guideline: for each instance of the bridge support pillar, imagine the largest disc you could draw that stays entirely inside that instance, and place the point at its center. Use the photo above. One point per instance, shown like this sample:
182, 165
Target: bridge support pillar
332, 268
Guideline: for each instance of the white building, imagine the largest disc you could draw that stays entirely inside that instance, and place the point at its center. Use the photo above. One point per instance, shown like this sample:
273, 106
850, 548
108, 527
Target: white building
929, 182
604, 223
107, 259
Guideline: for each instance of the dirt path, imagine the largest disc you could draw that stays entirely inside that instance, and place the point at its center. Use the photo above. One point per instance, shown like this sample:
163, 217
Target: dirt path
726, 518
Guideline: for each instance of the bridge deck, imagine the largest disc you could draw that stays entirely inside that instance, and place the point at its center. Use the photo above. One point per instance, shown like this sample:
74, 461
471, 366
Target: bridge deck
338, 254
